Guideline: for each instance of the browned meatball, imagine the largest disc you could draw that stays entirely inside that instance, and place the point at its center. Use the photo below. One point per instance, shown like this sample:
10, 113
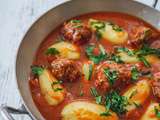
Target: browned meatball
123, 75
65, 70
155, 84
139, 35
76, 32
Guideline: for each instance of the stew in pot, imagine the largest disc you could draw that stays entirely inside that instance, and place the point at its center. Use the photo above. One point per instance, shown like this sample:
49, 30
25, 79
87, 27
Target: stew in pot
98, 66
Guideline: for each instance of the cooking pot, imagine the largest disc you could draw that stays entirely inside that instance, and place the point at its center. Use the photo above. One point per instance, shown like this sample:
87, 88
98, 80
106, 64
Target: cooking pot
49, 21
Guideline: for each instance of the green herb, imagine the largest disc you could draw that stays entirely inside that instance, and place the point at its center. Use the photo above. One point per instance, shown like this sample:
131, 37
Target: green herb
111, 75
134, 73
76, 21
115, 27
146, 50
99, 26
116, 102
107, 113
81, 93
36, 70
145, 62
133, 94
157, 112
52, 51
137, 105
90, 71
57, 89
98, 99
94, 92
116, 58
123, 49
57, 82
96, 59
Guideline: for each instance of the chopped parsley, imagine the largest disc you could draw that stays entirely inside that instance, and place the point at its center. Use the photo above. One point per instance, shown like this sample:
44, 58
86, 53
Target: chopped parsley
36, 70
57, 89
57, 82
115, 27
96, 58
138, 105
157, 111
145, 62
81, 93
116, 58
76, 21
134, 73
111, 75
116, 103
146, 50
133, 94
123, 49
52, 51
94, 93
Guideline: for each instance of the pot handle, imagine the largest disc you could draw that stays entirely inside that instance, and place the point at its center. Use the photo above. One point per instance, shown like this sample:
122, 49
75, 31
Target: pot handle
155, 3
6, 112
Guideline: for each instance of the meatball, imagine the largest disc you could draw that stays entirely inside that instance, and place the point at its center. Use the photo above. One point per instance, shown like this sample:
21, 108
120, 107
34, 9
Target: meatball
123, 75
155, 84
65, 70
76, 32
139, 35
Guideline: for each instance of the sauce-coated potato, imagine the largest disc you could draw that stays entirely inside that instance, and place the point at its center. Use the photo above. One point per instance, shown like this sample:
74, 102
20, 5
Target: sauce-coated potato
81, 110
53, 93
67, 50
150, 112
137, 94
109, 31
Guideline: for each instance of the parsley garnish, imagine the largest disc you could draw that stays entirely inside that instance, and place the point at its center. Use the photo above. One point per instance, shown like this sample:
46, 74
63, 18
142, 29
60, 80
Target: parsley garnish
134, 73
123, 49
157, 112
145, 62
94, 93
36, 70
115, 27
116, 58
57, 89
111, 75
116, 103
52, 51
76, 21
96, 59
57, 82
133, 94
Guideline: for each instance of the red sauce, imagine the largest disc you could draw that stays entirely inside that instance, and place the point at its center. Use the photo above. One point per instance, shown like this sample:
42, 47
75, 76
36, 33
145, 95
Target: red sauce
129, 23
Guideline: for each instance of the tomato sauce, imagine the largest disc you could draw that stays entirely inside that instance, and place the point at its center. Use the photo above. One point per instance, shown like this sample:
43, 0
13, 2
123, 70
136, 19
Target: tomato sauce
129, 23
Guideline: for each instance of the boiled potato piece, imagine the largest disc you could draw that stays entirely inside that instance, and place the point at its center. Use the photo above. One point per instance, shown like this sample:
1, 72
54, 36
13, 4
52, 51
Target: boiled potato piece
134, 59
150, 112
67, 50
81, 110
128, 59
137, 94
109, 31
52, 91
152, 59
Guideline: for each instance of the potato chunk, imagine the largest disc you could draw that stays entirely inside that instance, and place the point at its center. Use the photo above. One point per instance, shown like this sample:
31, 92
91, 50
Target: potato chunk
109, 31
137, 94
52, 91
67, 50
81, 110
150, 112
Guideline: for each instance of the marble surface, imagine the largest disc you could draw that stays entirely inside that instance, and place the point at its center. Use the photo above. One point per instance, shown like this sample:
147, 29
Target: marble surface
16, 16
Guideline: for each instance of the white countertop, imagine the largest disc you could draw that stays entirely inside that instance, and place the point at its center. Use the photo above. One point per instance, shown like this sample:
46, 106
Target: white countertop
15, 18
